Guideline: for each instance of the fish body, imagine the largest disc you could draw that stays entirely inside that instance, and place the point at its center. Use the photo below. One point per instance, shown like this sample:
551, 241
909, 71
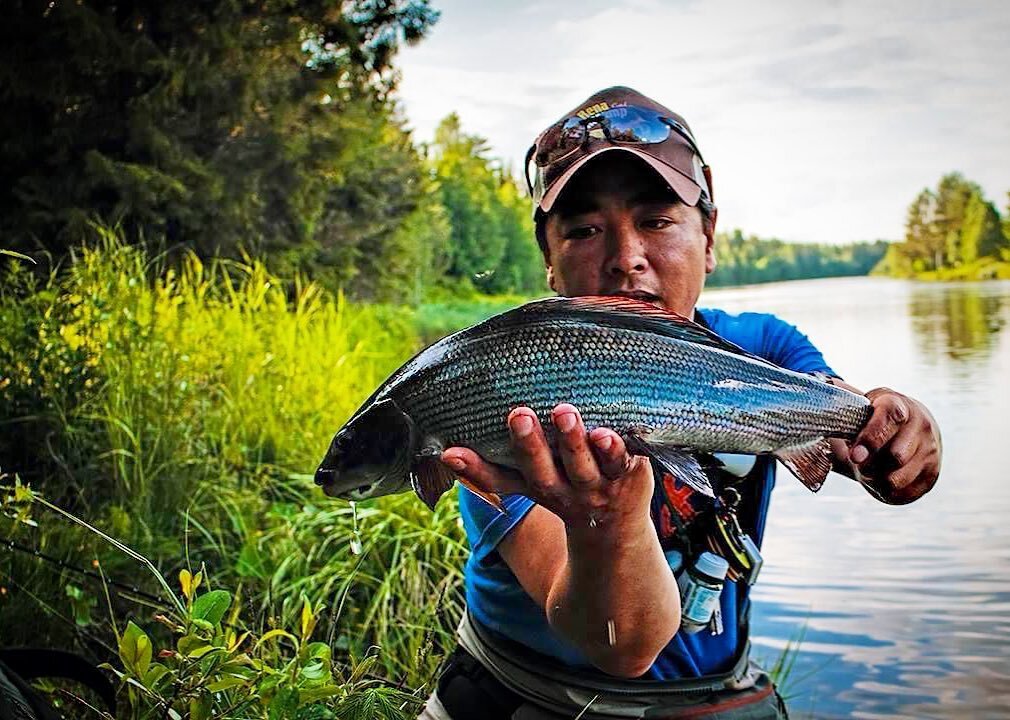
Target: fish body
669, 386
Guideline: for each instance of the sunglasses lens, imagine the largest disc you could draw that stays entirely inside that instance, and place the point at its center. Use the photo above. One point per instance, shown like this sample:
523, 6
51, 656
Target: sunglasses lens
560, 141
634, 125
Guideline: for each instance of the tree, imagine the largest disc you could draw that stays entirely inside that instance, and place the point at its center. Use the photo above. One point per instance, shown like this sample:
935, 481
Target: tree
1006, 223
215, 125
980, 234
492, 229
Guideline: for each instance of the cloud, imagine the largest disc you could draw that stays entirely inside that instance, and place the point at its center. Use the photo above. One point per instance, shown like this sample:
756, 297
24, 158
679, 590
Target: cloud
850, 106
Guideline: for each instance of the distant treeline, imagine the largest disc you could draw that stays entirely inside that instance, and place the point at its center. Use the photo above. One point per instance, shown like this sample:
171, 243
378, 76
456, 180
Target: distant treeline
952, 232
745, 260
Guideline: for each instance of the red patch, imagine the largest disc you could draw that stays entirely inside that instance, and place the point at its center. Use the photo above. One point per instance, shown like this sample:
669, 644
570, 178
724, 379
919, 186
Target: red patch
680, 498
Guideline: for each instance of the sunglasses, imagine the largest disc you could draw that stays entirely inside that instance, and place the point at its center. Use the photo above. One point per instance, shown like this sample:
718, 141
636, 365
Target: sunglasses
625, 125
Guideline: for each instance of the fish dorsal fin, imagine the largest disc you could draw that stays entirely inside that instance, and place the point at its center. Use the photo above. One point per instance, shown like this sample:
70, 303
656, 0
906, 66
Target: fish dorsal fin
617, 311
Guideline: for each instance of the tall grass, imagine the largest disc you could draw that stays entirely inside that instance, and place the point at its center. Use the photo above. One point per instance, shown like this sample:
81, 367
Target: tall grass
181, 410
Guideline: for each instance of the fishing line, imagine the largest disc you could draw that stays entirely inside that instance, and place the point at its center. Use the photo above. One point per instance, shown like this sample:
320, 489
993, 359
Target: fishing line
132, 589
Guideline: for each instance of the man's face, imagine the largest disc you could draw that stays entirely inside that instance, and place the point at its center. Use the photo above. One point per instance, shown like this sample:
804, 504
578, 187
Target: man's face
617, 229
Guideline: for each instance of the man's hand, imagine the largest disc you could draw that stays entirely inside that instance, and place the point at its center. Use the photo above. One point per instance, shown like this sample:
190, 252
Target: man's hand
587, 553
897, 455
598, 484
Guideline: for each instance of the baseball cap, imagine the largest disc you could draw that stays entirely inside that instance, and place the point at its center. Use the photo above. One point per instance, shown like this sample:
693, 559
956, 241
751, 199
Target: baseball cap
617, 118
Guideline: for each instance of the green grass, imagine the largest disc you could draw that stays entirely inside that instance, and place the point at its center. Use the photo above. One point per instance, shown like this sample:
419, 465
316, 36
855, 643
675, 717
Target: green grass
182, 410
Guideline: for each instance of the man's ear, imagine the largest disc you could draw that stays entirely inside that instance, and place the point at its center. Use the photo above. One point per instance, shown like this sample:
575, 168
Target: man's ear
550, 277
709, 230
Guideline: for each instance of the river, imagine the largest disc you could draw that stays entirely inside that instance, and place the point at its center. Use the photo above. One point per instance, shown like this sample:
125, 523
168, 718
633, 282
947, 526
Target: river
899, 612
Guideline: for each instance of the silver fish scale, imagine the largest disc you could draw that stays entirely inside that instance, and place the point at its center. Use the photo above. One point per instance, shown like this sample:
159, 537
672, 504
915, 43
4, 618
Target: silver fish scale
677, 392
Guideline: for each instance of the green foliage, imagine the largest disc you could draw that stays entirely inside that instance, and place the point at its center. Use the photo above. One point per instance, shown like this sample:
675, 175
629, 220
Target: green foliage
181, 410
491, 220
218, 126
743, 260
950, 233
212, 662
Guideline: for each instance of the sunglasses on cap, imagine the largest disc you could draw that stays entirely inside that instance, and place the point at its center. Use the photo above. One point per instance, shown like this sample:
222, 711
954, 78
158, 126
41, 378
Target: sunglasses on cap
560, 144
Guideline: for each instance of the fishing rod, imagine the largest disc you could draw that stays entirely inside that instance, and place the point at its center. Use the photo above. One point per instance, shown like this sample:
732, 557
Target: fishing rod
131, 589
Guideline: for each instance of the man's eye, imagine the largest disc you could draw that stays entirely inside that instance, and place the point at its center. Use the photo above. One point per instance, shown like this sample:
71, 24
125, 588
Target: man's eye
657, 223
581, 232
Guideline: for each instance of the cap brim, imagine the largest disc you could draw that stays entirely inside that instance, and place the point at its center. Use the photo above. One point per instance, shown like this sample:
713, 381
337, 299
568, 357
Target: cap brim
686, 188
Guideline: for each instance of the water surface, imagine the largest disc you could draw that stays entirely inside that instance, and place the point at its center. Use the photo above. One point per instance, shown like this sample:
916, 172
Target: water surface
905, 610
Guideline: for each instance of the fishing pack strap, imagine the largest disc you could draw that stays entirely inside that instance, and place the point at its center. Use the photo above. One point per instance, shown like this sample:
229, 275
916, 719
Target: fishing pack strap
551, 691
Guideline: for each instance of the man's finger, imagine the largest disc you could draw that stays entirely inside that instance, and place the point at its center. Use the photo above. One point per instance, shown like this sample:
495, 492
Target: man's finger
904, 446
573, 447
611, 453
533, 455
890, 412
488, 477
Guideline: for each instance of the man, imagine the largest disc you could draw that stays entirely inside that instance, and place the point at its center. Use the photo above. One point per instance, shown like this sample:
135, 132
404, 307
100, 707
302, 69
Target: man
572, 604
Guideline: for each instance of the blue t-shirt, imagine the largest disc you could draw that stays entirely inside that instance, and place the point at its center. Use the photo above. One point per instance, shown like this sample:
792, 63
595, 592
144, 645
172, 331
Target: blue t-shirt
497, 600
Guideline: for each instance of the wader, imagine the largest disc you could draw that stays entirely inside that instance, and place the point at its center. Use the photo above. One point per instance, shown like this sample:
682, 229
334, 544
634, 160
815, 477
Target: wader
489, 677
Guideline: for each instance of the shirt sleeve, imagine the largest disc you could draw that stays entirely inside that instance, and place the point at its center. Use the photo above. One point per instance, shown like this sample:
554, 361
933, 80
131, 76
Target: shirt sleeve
787, 347
485, 526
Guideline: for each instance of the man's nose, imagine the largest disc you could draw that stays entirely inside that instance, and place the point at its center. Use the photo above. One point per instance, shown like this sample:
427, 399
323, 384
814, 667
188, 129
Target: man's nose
626, 253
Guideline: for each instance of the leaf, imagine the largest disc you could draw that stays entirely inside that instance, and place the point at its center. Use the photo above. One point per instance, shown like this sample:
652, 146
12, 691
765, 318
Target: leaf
308, 620
226, 682
277, 633
311, 695
189, 643
22, 493
18, 255
212, 606
156, 673
135, 650
315, 670
202, 651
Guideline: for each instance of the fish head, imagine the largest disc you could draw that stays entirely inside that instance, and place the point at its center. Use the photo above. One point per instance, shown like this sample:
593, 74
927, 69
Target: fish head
370, 455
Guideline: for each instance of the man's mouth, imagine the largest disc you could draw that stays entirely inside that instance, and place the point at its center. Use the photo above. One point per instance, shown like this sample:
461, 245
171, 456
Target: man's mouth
640, 295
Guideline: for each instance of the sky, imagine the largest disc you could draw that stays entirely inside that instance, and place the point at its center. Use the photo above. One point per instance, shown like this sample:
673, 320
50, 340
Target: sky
821, 119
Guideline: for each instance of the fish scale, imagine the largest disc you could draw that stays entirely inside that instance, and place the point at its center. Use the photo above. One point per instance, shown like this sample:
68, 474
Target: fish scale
660, 380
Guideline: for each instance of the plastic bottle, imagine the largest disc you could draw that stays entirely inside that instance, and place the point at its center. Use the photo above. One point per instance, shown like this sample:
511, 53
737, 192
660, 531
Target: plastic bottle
700, 587
675, 559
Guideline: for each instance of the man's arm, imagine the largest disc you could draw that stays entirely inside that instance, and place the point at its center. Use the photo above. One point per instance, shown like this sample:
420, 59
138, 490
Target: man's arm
897, 455
588, 553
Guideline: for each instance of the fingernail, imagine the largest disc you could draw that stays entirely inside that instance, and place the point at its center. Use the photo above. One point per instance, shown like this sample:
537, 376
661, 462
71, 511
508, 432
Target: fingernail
859, 454
456, 463
565, 421
604, 442
522, 425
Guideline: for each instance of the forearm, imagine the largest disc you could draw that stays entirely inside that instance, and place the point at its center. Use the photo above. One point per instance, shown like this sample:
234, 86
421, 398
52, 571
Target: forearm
615, 598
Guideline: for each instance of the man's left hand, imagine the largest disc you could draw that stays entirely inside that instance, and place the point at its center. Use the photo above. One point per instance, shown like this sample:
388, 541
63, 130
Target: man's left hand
897, 454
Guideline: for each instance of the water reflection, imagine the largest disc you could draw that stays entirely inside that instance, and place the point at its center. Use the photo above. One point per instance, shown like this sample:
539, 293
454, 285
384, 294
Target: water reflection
906, 610
957, 321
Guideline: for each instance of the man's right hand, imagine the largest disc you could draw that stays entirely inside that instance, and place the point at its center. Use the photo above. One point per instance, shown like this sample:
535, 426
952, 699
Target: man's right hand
588, 552
597, 485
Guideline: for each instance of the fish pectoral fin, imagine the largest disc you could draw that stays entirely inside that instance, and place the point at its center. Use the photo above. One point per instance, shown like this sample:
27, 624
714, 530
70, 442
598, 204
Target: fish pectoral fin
431, 480
492, 499
810, 462
677, 461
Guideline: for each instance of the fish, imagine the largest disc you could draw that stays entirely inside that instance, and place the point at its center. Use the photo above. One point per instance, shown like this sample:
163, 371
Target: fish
673, 389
